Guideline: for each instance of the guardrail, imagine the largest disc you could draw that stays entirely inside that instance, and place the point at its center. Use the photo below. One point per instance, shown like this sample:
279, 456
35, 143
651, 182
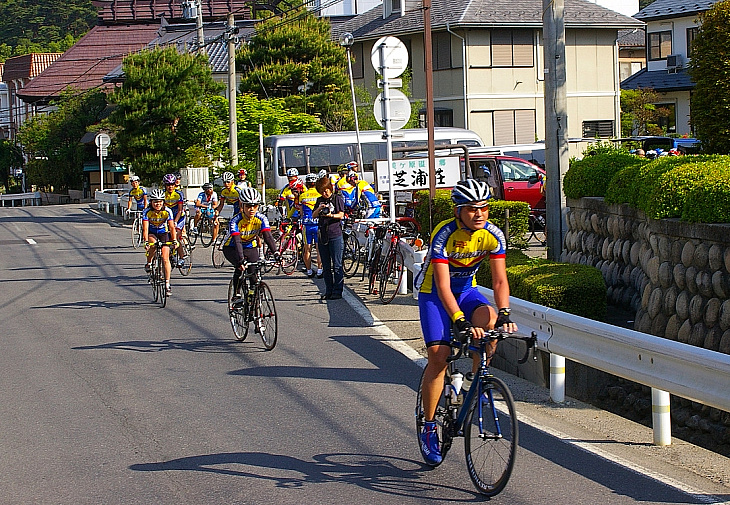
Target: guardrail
665, 365
108, 202
34, 198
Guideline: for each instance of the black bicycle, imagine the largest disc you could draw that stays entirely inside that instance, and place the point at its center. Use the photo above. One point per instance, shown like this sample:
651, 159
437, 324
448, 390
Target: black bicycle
537, 226
253, 303
484, 415
156, 275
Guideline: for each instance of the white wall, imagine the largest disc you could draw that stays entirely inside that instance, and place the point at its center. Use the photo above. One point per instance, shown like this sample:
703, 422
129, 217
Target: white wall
678, 27
625, 7
327, 8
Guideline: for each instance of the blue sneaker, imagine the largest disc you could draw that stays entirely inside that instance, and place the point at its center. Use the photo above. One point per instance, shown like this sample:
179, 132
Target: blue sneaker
430, 447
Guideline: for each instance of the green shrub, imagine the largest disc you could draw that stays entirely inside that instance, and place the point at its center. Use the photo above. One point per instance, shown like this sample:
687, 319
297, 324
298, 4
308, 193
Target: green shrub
622, 187
591, 175
709, 202
672, 189
272, 195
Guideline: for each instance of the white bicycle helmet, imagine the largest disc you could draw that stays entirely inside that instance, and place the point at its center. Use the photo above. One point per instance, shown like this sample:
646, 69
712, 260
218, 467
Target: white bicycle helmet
322, 174
134, 178
292, 172
469, 192
250, 196
311, 178
228, 177
157, 194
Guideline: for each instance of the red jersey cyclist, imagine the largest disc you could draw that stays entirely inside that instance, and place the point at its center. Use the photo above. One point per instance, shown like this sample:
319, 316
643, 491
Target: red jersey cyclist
158, 225
246, 228
448, 298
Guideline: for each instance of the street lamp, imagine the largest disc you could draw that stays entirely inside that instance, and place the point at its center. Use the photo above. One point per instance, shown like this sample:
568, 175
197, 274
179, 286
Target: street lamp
346, 41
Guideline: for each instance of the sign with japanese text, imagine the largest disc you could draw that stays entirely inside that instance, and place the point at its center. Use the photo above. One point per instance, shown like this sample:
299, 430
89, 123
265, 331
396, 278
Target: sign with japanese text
412, 173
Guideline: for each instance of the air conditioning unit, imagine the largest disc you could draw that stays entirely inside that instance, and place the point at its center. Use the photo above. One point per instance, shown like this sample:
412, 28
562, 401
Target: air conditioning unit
674, 61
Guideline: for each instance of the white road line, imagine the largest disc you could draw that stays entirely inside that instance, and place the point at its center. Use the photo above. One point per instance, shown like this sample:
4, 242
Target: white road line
386, 335
31, 241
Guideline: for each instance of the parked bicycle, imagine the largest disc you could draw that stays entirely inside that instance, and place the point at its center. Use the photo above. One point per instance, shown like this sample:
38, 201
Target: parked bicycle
290, 245
156, 275
351, 247
537, 226
390, 271
253, 303
483, 412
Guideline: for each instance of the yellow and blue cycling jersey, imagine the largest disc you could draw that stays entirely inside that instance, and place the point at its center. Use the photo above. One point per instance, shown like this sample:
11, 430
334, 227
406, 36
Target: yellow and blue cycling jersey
247, 229
290, 202
158, 219
173, 199
463, 250
138, 194
230, 196
308, 199
350, 195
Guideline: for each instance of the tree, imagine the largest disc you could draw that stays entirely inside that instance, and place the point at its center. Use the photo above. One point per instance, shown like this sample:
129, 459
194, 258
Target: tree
10, 157
52, 142
639, 114
710, 70
293, 57
160, 111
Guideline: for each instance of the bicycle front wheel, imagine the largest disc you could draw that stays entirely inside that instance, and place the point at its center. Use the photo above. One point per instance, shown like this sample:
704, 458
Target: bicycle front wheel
491, 436
160, 281
392, 276
136, 232
266, 321
205, 231
154, 278
350, 255
444, 423
237, 313
217, 256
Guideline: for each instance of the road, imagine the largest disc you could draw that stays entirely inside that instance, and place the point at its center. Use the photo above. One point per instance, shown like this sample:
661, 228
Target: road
107, 398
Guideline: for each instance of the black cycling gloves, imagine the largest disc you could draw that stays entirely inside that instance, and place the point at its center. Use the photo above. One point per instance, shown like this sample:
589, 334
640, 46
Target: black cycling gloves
503, 317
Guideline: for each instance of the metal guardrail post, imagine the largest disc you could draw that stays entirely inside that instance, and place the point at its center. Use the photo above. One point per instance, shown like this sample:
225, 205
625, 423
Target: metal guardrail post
661, 417
557, 378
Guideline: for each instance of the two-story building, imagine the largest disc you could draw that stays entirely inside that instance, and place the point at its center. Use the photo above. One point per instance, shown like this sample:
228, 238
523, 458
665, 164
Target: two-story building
488, 69
671, 25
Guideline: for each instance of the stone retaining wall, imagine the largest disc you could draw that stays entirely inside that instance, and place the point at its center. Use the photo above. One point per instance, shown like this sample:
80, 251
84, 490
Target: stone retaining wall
674, 275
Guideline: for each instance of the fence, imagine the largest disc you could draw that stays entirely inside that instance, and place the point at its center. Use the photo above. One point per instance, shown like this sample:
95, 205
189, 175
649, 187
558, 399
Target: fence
24, 199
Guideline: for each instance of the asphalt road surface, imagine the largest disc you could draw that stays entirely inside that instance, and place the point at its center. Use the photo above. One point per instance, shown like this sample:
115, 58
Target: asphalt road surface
105, 398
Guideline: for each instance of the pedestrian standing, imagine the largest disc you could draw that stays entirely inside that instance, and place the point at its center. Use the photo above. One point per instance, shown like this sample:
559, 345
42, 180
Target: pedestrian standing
329, 209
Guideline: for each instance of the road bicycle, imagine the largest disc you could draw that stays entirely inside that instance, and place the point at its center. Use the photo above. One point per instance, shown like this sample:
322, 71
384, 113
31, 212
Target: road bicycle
156, 275
290, 245
136, 227
537, 226
206, 227
253, 303
390, 271
187, 258
216, 254
351, 248
482, 412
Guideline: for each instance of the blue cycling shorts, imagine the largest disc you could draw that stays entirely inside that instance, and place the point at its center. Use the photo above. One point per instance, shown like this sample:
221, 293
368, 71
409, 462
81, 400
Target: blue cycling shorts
310, 233
436, 323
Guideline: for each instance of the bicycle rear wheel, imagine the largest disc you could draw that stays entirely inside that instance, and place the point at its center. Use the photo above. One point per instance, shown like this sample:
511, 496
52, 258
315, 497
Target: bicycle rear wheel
137, 232
491, 436
444, 423
266, 321
373, 268
217, 256
238, 314
350, 255
391, 277
536, 226
289, 256
188, 258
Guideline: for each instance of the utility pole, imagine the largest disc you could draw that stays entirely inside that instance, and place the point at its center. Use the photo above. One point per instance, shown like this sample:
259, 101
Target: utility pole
231, 32
199, 26
428, 56
556, 122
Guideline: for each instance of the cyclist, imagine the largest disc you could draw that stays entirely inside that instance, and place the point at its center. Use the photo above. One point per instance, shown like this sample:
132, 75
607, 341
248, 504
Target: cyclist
292, 206
448, 298
158, 225
342, 172
175, 200
286, 197
242, 181
366, 194
137, 193
229, 194
308, 199
207, 202
246, 227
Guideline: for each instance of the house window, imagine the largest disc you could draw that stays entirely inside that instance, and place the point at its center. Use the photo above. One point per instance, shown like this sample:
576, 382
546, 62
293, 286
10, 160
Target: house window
691, 34
441, 43
668, 123
512, 48
629, 68
660, 45
514, 126
598, 129
358, 61
441, 117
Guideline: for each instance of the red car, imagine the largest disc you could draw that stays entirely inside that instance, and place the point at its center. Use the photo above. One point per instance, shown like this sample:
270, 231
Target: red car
510, 178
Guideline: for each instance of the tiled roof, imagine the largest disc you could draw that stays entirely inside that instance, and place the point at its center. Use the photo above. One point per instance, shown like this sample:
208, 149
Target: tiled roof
28, 66
632, 38
131, 11
659, 80
663, 9
85, 64
482, 13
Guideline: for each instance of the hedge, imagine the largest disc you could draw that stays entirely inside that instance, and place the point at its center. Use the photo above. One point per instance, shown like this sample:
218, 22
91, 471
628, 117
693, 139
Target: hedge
591, 175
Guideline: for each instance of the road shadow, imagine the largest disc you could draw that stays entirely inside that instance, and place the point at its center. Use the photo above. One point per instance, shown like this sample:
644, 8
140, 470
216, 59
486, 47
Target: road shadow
200, 345
382, 474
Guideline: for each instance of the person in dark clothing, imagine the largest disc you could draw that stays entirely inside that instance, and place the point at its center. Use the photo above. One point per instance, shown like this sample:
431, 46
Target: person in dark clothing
330, 210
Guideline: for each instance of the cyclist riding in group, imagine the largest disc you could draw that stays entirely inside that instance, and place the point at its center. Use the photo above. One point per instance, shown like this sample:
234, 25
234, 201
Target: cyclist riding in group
206, 203
308, 200
448, 298
365, 194
137, 193
158, 225
175, 200
229, 194
242, 181
245, 229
